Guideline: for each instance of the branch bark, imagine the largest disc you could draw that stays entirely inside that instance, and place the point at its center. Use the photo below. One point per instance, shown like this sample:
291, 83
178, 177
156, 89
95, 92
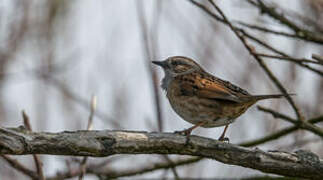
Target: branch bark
18, 141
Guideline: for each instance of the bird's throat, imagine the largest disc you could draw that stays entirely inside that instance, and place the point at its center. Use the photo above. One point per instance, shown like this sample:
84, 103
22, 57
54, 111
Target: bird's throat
166, 81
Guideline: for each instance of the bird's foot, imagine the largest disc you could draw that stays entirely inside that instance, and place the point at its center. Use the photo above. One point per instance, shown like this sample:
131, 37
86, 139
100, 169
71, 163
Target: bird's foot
185, 132
224, 139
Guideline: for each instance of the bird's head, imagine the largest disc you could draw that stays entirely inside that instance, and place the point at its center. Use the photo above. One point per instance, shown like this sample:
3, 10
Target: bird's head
178, 65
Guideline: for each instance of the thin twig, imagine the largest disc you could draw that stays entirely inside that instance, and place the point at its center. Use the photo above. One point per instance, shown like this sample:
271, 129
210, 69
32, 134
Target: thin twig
20, 167
278, 134
274, 14
149, 168
109, 173
297, 60
249, 36
301, 33
263, 44
173, 168
89, 127
276, 114
78, 99
265, 177
38, 163
263, 29
261, 63
150, 56
93, 108
299, 36
317, 57
26, 121
267, 46
299, 143
301, 124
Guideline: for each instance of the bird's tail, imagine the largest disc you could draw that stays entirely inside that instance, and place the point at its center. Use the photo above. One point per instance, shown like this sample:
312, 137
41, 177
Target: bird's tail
270, 96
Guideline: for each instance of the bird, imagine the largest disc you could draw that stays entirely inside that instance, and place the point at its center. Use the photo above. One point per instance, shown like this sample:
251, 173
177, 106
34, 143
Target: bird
203, 99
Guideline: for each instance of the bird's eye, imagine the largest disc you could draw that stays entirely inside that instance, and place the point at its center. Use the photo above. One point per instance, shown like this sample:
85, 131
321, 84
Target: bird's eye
174, 63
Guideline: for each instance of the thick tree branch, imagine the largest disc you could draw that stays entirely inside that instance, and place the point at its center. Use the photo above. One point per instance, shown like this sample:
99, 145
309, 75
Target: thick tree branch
104, 143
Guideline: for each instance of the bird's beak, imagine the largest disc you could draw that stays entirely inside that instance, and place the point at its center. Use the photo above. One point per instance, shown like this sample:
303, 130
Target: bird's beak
159, 63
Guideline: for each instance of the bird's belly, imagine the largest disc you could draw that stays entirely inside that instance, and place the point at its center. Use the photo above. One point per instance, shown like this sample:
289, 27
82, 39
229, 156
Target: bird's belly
195, 111
213, 113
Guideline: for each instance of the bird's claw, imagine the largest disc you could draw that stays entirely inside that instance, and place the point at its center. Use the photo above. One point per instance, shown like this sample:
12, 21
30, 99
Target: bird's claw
224, 139
185, 132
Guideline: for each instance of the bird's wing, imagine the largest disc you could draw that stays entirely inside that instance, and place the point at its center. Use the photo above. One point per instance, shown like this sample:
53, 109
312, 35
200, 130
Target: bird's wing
208, 88
216, 90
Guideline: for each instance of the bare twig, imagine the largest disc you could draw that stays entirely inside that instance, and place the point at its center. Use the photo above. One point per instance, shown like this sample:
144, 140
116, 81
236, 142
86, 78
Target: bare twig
89, 127
267, 46
299, 143
262, 140
266, 177
301, 33
173, 168
310, 127
261, 63
277, 114
93, 108
16, 165
263, 29
35, 156
78, 99
111, 173
149, 53
296, 60
26, 121
274, 14
263, 44
273, 136
147, 168
301, 124
278, 134
257, 40
317, 57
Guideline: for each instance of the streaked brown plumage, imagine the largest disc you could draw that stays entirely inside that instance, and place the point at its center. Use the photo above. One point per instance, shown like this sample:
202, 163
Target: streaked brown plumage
201, 98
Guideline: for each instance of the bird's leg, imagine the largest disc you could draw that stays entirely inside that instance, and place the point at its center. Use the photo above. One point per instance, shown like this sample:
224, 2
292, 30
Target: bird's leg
187, 132
222, 137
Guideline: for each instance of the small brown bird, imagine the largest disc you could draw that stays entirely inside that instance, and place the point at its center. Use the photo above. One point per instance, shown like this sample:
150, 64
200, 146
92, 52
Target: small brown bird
201, 98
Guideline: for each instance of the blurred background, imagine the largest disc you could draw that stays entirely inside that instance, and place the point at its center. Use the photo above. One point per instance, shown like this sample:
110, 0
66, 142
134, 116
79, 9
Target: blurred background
56, 54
